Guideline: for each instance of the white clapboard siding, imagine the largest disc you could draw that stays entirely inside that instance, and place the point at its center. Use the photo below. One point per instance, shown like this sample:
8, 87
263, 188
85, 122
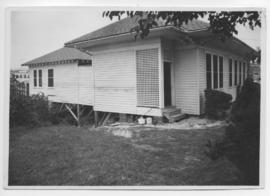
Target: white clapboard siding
66, 83
115, 77
115, 81
72, 84
186, 81
86, 85
202, 78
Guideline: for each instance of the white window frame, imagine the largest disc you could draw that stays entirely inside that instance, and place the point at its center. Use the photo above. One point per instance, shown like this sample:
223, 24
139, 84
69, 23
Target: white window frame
212, 69
51, 77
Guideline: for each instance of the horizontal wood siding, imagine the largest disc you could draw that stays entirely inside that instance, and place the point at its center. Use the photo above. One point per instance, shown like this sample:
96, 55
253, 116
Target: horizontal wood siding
115, 77
86, 85
115, 81
202, 78
186, 81
72, 84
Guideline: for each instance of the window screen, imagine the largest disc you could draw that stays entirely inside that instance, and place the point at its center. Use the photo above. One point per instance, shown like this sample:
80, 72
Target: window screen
35, 78
235, 72
147, 77
208, 71
215, 69
40, 78
244, 71
230, 72
220, 72
240, 73
50, 78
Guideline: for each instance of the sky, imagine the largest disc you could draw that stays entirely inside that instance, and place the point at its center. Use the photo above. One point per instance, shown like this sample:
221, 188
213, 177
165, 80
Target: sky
38, 32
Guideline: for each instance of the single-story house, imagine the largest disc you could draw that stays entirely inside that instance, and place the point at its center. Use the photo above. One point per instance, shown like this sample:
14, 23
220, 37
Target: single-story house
167, 71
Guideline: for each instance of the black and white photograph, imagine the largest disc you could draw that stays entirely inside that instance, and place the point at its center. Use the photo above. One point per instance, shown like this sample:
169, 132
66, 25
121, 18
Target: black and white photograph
105, 97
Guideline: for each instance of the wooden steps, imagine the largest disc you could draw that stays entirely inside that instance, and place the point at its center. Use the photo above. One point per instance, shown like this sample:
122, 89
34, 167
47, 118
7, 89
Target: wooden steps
173, 114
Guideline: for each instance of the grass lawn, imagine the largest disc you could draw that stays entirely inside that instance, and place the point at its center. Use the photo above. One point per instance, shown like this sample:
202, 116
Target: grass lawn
67, 155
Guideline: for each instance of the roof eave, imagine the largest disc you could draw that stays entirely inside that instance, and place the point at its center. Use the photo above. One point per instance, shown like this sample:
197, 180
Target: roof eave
122, 34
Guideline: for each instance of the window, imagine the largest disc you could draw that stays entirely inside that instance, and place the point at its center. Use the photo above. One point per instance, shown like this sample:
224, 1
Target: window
230, 72
24, 76
215, 70
220, 72
244, 71
50, 78
40, 78
35, 78
208, 71
235, 72
20, 76
240, 73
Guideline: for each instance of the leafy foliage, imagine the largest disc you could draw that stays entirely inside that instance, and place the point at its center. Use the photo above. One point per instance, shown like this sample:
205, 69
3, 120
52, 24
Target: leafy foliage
26, 110
217, 103
242, 139
222, 23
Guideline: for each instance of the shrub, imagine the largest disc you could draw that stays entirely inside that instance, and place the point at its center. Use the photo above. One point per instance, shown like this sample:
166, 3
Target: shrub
54, 115
217, 103
27, 110
242, 137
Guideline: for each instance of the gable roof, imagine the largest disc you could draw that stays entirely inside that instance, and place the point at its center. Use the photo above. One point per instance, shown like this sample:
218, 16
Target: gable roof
123, 26
64, 54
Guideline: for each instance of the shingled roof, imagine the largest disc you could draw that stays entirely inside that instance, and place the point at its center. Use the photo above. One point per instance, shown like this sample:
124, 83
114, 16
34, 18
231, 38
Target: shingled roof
64, 54
123, 26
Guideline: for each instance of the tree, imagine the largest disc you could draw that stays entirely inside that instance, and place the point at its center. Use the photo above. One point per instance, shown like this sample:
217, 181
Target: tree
222, 23
241, 142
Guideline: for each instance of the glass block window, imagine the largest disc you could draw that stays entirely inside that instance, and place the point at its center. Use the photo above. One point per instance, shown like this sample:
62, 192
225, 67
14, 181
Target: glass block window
147, 77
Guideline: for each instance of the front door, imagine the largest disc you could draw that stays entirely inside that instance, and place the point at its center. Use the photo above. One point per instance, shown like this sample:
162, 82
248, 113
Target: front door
167, 84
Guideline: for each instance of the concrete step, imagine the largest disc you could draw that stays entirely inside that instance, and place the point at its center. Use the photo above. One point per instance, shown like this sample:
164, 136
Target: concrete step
171, 112
177, 117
